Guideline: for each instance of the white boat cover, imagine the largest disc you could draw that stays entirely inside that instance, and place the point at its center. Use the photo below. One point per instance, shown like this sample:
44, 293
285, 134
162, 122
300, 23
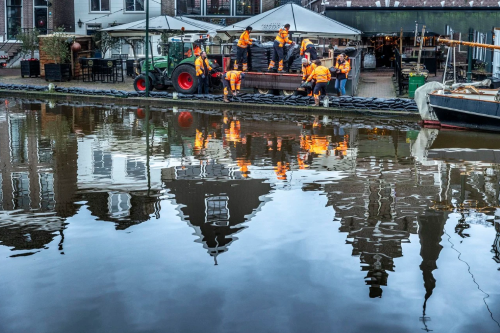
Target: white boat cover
160, 24
303, 23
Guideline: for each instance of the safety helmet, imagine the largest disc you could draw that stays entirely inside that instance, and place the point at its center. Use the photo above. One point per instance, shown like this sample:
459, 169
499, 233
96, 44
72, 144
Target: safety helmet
304, 61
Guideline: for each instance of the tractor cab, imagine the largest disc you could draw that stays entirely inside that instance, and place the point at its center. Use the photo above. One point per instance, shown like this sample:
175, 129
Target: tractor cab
175, 66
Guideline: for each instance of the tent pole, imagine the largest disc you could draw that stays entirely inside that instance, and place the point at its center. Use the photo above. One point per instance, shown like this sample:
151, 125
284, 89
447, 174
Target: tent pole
147, 49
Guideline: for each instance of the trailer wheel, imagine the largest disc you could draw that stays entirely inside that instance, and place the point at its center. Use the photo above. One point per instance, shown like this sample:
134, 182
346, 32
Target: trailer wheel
185, 80
287, 92
262, 91
140, 84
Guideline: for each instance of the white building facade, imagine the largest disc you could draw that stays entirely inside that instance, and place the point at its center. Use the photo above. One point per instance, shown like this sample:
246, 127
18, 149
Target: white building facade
92, 15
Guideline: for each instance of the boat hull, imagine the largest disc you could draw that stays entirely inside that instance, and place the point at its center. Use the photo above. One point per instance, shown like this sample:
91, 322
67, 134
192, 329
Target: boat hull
466, 113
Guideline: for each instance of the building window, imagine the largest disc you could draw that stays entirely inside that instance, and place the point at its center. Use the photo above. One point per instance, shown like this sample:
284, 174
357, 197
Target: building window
14, 17
247, 7
134, 5
188, 7
219, 7
99, 5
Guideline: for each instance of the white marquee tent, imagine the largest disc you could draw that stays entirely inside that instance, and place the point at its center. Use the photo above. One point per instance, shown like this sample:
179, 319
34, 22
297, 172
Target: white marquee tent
160, 24
303, 23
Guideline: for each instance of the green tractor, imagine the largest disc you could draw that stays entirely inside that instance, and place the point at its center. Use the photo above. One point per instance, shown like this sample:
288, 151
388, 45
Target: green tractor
175, 68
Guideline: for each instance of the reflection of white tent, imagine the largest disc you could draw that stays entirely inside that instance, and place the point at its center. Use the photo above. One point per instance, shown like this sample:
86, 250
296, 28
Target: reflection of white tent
303, 23
162, 24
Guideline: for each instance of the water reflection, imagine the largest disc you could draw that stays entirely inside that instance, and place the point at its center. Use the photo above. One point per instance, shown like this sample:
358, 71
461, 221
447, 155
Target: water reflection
388, 183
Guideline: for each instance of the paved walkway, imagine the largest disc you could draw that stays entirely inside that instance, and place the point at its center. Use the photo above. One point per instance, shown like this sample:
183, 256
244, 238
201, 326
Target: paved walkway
376, 84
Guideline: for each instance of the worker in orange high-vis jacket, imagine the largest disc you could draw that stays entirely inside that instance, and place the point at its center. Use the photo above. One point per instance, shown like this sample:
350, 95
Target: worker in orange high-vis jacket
202, 71
308, 46
279, 42
232, 80
322, 76
242, 50
307, 69
342, 66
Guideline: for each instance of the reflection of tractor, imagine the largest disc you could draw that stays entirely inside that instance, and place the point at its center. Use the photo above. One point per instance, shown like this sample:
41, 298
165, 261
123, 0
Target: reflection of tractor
175, 68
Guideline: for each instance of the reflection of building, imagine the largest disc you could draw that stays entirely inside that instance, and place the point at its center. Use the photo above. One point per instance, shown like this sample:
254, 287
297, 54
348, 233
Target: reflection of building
35, 181
215, 209
379, 205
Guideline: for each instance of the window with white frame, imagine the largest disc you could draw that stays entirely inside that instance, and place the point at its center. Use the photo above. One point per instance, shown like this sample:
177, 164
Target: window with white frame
99, 5
134, 5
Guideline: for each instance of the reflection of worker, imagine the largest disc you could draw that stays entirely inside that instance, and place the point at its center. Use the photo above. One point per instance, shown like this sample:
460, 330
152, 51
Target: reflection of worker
279, 42
322, 76
307, 69
202, 71
308, 46
242, 50
343, 69
232, 80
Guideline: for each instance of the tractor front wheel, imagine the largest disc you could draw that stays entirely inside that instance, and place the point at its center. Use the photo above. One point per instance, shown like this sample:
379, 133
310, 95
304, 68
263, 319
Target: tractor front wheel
140, 83
185, 80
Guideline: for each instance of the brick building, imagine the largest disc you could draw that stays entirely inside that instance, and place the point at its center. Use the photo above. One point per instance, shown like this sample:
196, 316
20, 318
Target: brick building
222, 12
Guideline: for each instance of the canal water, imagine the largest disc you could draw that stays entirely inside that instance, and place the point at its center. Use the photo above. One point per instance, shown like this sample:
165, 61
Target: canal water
120, 219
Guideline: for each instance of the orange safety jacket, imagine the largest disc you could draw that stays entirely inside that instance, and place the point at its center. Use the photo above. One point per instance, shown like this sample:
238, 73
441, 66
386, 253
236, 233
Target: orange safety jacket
306, 71
199, 66
320, 74
344, 68
244, 40
282, 37
303, 46
234, 78
197, 50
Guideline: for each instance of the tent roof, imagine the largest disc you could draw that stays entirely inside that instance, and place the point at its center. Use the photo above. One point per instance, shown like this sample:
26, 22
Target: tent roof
303, 22
162, 24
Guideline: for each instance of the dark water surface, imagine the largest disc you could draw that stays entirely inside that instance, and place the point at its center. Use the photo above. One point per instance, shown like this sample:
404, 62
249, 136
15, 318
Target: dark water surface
240, 222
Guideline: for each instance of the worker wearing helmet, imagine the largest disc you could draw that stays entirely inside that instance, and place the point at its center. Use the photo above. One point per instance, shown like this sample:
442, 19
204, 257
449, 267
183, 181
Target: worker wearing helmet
322, 76
307, 69
202, 71
279, 42
308, 46
343, 68
232, 80
242, 49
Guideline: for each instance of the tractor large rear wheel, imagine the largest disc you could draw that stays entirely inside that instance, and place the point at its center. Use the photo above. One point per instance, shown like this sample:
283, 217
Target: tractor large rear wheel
140, 83
184, 79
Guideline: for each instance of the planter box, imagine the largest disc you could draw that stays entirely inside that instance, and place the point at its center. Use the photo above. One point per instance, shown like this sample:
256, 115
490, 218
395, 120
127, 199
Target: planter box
57, 72
30, 68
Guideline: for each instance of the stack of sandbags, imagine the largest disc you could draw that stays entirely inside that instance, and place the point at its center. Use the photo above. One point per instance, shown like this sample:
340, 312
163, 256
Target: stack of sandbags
260, 54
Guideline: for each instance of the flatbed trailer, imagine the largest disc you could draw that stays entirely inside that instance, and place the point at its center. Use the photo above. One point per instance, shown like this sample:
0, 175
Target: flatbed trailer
285, 83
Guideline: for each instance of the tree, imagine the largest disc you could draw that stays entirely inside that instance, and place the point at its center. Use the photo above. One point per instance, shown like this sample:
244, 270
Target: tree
30, 42
133, 42
56, 46
105, 42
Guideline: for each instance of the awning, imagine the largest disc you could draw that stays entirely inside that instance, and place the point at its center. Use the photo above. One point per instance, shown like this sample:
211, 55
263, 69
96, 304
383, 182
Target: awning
161, 24
303, 23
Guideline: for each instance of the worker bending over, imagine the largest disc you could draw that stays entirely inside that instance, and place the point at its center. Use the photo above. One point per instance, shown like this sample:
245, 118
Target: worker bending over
343, 68
308, 46
307, 69
242, 50
322, 76
202, 71
279, 42
232, 80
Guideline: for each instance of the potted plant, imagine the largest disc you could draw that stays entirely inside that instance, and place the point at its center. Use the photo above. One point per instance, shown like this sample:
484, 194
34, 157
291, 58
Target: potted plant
57, 49
30, 66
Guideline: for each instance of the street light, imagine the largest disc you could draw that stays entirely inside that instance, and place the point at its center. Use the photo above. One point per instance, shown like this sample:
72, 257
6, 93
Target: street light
146, 63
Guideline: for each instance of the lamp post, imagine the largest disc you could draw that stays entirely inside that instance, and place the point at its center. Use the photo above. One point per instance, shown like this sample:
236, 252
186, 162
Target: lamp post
146, 63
